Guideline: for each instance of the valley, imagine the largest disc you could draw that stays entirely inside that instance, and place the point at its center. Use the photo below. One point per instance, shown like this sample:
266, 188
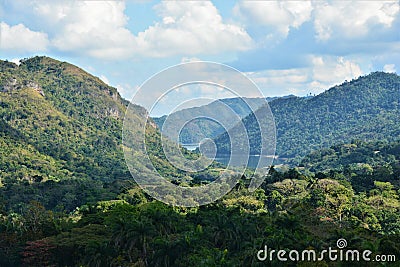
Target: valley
68, 198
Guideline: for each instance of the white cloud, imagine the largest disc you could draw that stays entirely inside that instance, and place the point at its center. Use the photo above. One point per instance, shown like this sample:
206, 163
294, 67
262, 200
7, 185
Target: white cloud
336, 18
352, 19
290, 76
88, 27
104, 79
282, 82
127, 90
16, 61
323, 73
20, 38
329, 71
391, 68
100, 29
191, 28
189, 59
280, 15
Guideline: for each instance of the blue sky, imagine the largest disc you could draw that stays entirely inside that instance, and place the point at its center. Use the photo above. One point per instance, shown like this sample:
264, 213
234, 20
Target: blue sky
285, 47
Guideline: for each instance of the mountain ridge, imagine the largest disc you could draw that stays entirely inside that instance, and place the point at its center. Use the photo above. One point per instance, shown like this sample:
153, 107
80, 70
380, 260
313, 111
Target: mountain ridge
60, 130
195, 131
352, 110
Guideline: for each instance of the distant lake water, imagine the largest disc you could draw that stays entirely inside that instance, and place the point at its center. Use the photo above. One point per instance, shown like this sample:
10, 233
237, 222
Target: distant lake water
252, 162
190, 147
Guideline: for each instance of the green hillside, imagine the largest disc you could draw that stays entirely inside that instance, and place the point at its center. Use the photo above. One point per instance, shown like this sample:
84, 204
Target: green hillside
376, 153
60, 132
359, 163
61, 136
367, 108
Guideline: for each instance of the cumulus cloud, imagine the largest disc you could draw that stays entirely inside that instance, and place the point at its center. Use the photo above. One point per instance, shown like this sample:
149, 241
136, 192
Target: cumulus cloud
127, 90
329, 71
323, 73
281, 82
191, 28
352, 19
100, 29
22, 39
16, 61
391, 68
104, 79
96, 28
331, 19
279, 15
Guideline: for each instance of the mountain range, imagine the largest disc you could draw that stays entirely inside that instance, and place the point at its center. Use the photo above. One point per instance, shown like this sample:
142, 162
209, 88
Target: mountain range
366, 109
197, 129
61, 130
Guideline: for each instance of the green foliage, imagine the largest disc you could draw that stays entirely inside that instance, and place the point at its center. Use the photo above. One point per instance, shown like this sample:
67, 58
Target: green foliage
366, 109
291, 214
360, 163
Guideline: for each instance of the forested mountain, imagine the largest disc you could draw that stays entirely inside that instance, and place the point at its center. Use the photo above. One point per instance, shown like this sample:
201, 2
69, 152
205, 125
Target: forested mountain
60, 136
367, 108
60, 132
198, 129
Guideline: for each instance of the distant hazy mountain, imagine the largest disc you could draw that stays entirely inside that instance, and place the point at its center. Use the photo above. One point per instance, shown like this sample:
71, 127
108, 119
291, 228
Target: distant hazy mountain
196, 130
367, 108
